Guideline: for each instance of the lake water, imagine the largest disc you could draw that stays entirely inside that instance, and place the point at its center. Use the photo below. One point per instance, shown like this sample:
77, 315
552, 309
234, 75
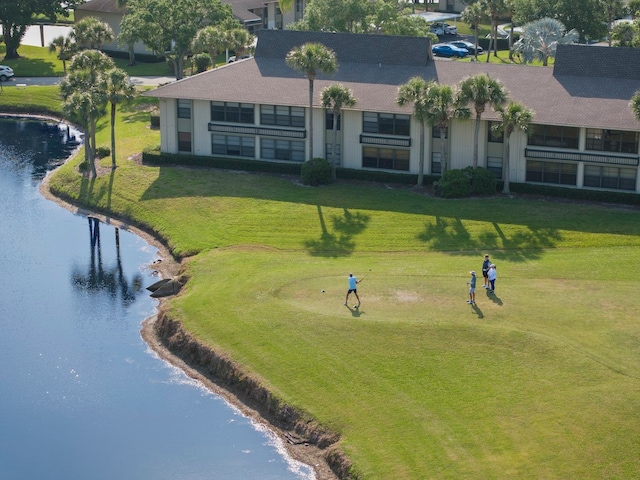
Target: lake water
82, 397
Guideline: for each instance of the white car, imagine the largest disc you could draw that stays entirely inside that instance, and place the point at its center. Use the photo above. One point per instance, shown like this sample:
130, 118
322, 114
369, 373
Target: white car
440, 28
5, 73
234, 58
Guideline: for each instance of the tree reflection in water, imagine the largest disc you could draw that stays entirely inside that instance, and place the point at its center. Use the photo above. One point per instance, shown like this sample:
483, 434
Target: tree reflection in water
108, 279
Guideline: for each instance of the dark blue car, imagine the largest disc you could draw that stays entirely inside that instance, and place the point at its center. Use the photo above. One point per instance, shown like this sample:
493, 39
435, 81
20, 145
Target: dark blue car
444, 50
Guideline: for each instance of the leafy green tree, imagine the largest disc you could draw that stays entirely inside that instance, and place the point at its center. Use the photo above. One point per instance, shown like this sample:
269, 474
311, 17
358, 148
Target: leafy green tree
626, 34
65, 48
17, 15
481, 90
514, 116
119, 89
336, 98
91, 33
84, 95
634, 105
541, 38
443, 105
311, 59
415, 92
169, 31
474, 15
634, 8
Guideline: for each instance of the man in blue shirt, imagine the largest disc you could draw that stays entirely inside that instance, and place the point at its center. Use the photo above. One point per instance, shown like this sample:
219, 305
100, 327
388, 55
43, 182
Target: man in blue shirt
352, 288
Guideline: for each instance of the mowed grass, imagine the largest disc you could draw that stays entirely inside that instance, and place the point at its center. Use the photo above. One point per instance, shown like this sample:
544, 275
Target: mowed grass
541, 380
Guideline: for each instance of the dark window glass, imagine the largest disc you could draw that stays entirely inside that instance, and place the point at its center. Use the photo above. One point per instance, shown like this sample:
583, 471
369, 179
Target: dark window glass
386, 123
184, 141
551, 172
435, 132
233, 145
232, 112
609, 177
553, 136
492, 136
328, 121
282, 116
289, 150
385, 158
184, 108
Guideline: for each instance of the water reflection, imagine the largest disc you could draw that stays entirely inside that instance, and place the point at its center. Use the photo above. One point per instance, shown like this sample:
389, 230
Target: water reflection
43, 144
99, 277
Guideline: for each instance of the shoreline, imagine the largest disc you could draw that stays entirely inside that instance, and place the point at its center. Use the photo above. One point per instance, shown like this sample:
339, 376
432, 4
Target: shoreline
301, 438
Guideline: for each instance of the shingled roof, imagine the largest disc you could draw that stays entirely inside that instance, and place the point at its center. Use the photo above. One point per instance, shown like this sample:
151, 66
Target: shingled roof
353, 48
592, 61
374, 66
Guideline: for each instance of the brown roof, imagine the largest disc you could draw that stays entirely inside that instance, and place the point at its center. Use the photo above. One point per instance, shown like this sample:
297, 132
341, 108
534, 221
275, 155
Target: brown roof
597, 102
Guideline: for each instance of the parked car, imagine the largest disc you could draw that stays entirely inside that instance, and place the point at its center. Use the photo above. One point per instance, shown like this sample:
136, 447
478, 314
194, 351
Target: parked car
470, 47
233, 58
5, 73
441, 28
448, 50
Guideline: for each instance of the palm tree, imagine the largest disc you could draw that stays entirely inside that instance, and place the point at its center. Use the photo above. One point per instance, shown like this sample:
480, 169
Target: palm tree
540, 39
514, 116
494, 9
66, 47
119, 89
310, 59
91, 33
634, 104
443, 105
211, 39
481, 90
335, 98
84, 88
84, 108
415, 91
474, 14
238, 40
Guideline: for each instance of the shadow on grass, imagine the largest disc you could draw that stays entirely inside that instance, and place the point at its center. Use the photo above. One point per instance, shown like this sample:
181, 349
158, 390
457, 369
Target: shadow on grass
340, 243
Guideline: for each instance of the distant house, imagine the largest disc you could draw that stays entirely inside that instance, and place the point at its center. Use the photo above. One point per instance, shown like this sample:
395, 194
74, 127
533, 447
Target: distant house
253, 14
453, 6
584, 134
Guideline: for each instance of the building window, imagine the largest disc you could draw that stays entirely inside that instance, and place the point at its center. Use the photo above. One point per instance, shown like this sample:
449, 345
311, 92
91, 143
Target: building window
552, 172
553, 136
494, 165
492, 136
289, 150
232, 145
436, 163
329, 150
385, 123
435, 132
328, 120
282, 116
184, 108
232, 112
610, 177
612, 141
184, 141
385, 158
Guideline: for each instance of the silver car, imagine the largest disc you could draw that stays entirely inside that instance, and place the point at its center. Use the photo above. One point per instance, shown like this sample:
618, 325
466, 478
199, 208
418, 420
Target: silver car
5, 73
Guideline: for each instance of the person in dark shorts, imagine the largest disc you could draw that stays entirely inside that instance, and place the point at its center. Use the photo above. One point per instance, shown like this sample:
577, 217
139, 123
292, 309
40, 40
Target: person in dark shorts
485, 270
353, 282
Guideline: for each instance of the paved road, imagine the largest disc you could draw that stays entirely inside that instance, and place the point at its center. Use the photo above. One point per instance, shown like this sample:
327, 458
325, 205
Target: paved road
148, 81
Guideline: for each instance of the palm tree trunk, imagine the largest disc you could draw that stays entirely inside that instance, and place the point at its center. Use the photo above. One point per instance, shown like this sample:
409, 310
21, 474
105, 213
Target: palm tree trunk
476, 136
443, 152
113, 135
505, 170
310, 118
421, 157
335, 143
92, 148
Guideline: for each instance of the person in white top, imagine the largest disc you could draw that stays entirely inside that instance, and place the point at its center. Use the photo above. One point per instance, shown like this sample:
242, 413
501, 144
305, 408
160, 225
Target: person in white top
353, 282
492, 275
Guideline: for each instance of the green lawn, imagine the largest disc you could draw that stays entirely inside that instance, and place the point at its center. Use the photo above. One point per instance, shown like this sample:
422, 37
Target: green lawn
539, 381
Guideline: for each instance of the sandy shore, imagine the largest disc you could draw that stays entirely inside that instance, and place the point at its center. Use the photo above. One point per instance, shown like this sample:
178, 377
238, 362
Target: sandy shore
302, 442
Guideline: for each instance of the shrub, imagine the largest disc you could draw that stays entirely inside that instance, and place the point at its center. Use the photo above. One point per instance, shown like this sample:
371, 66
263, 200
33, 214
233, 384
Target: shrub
454, 183
483, 182
316, 171
154, 117
202, 61
102, 152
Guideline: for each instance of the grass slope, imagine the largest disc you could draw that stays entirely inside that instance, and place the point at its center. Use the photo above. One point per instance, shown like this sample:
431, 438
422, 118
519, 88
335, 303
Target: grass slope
539, 381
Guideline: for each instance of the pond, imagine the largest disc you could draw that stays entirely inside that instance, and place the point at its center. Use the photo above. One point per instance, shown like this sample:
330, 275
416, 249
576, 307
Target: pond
81, 395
